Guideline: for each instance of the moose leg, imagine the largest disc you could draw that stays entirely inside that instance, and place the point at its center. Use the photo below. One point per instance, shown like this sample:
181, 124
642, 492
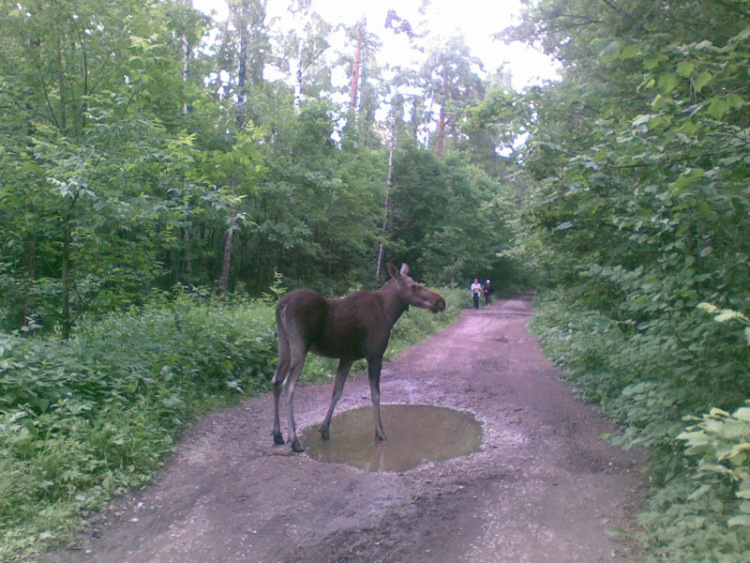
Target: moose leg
277, 436
295, 370
338, 387
282, 371
373, 368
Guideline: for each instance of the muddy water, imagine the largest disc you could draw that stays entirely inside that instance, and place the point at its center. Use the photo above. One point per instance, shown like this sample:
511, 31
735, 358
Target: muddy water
416, 434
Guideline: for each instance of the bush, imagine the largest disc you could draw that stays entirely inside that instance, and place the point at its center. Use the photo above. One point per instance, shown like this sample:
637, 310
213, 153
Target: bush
81, 420
652, 378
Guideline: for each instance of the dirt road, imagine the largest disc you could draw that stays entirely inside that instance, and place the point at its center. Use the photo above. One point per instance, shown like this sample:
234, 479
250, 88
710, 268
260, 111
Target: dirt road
544, 485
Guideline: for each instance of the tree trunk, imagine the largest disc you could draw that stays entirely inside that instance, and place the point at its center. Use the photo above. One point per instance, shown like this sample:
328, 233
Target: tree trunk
244, 55
441, 132
226, 262
187, 49
29, 275
387, 205
188, 257
298, 83
66, 320
357, 67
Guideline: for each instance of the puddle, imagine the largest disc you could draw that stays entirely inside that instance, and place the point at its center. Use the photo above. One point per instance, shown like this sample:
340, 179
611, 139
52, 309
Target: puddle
416, 434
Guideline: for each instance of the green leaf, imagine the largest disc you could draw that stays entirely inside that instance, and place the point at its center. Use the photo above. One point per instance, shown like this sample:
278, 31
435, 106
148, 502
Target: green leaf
718, 469
667, 82
685, 68
651, 62
708, 308
741, 520
609, 52
630, 51
687, 178
738, 449
728, 315
742, 36
718, 108
736, 101
701, 81
702, 490
694, 439
172, 402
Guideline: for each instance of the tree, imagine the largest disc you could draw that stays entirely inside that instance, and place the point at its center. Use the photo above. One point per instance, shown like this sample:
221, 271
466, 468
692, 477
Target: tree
243, 52
495, 130
364, 87
93, 99
639, 209
303, 49
441, 220
451, 82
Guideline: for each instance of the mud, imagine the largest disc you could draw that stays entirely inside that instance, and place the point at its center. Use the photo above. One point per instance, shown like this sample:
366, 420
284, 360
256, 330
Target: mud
416, 434
543, 486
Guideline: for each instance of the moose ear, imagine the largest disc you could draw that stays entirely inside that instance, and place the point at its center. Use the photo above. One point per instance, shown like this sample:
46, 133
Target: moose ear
394, 273
404, 270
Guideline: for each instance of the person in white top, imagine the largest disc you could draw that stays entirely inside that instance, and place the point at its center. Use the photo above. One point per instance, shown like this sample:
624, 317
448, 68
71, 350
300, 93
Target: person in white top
476, 290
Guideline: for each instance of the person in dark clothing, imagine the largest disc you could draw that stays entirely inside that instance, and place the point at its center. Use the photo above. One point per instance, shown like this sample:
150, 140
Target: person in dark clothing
488, 291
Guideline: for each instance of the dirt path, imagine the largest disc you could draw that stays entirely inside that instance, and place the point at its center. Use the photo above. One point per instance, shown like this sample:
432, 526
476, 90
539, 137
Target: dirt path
543, 487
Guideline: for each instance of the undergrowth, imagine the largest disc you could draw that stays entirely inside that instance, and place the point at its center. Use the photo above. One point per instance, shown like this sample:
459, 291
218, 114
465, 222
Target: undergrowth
656, 380
83, 420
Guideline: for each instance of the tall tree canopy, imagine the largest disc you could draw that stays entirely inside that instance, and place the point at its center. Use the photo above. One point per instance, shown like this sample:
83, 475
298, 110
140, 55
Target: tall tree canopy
139, 151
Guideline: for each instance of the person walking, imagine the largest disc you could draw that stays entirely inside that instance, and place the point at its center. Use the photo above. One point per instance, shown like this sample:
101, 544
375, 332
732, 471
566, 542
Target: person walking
476, 290
488, 291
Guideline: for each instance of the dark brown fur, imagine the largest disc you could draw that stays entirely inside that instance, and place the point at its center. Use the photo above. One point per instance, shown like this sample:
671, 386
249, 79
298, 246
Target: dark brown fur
352, 328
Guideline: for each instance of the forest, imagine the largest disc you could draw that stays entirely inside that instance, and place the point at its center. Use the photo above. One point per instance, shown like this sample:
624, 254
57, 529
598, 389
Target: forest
167, 176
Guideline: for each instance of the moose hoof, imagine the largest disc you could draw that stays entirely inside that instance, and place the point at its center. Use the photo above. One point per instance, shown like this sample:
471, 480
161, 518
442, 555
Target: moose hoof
278, 439
325, 434
380, 436
296, 447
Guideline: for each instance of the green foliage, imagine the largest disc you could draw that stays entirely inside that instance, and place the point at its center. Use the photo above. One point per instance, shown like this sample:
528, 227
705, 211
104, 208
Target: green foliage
94, 99
706, 513
443, 221
80, 421
707, 516
637, 211
134, 161
684, 526
722, 441
653, 384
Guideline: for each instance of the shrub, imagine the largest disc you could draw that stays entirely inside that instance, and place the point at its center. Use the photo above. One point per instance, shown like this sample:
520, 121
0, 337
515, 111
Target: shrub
83, 419
652, 377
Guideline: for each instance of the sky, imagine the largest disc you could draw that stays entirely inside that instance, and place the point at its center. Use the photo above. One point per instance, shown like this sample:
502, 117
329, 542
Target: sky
476, 20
